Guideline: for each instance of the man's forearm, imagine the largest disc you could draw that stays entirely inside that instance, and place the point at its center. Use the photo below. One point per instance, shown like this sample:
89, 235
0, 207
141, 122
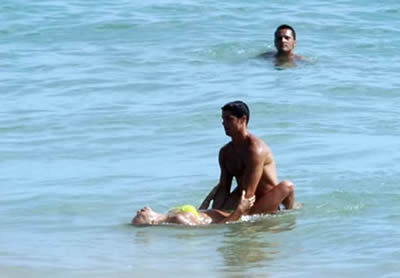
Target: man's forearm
220, 197
206, 203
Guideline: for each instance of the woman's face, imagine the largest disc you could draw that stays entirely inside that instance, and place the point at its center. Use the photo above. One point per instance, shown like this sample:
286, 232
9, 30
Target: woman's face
144, 216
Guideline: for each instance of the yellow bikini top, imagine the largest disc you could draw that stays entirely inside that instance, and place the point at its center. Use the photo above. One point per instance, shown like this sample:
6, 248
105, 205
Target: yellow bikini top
187, 208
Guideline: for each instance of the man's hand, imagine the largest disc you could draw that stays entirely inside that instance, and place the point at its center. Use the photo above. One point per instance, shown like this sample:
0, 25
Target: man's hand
246, 204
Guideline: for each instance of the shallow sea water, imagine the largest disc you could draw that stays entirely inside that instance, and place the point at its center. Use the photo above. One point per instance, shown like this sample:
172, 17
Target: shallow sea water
106, 108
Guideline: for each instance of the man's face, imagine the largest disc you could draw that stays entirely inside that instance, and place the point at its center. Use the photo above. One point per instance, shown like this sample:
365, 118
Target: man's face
284, 41
231, 123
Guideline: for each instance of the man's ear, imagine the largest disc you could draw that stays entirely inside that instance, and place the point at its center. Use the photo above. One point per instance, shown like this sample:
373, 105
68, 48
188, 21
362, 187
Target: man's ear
244, 119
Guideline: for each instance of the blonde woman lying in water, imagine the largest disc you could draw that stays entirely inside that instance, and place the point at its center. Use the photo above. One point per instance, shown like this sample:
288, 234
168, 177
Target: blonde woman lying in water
189, 215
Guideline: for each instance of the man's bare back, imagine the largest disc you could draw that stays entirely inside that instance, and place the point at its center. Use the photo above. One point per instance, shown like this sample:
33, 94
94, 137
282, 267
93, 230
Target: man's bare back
250, 161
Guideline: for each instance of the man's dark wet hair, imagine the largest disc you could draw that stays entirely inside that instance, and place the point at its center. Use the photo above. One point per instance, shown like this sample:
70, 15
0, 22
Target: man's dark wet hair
285, 26
238, 108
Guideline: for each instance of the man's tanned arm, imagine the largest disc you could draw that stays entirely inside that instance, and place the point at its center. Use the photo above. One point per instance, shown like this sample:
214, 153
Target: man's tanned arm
253, 170
225, 183
221, 191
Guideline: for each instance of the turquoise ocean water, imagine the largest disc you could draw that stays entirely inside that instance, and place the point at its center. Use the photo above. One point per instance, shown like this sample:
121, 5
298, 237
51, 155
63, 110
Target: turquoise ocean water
109, 106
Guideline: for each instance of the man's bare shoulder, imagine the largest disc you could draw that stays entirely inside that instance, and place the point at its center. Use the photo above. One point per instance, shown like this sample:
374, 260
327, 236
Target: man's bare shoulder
299, 57
267, 55
225, 148
224, 153
258, 148
256, 144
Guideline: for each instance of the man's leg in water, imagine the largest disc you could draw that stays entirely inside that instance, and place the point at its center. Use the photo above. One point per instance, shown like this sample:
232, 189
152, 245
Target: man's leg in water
283, 193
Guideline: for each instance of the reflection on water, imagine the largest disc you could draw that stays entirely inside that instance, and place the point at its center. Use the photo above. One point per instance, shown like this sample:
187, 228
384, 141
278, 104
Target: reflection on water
234, 250
251, 245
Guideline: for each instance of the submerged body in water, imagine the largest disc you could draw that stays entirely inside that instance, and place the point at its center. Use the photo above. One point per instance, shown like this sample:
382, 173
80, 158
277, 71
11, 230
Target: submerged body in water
189, 215
283, 61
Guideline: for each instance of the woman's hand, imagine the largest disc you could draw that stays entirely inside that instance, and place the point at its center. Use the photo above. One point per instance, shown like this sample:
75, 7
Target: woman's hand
246, 204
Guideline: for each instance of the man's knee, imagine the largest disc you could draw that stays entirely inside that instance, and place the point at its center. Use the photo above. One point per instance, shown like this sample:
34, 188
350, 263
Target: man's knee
287, 186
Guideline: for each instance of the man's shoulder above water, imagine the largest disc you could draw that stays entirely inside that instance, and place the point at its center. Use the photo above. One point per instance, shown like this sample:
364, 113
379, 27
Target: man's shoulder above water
256, 143
253, 145
275, 55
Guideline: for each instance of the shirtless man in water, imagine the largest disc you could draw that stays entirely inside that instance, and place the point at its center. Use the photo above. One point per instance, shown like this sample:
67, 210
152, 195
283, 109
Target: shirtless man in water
250, 161
285, 42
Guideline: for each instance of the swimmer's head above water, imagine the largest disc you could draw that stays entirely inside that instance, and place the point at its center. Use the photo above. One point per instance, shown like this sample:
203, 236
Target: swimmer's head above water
285, 43
285, 40
146, 216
